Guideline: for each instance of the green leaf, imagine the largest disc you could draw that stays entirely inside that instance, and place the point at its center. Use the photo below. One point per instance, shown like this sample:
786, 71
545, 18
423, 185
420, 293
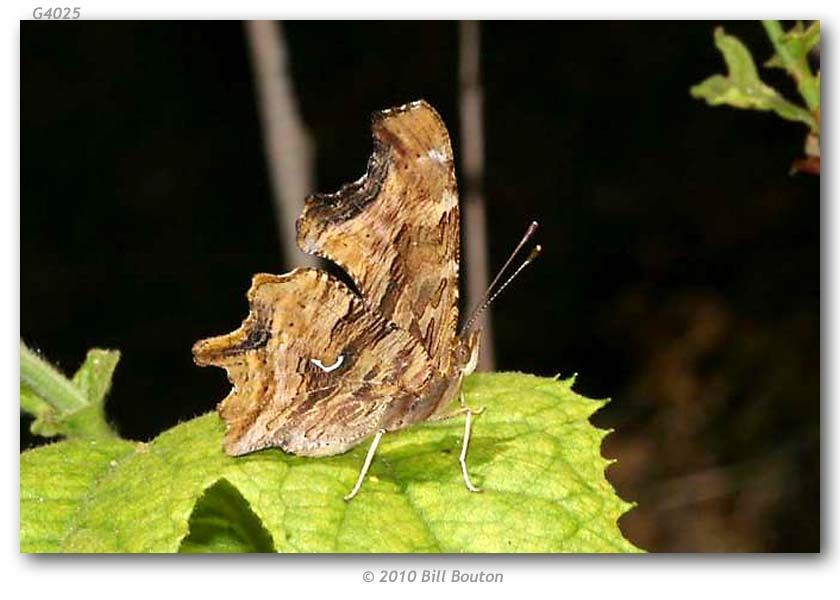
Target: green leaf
533, 451
94, 376
71, 408
742, 87
54, 481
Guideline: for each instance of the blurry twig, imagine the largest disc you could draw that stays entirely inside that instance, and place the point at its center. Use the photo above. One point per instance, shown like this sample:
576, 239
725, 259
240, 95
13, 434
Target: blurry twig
769, 472
288, 147
472, 155
714, 483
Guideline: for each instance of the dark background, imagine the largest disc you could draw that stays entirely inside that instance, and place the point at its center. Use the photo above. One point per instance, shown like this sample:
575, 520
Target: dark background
680, 275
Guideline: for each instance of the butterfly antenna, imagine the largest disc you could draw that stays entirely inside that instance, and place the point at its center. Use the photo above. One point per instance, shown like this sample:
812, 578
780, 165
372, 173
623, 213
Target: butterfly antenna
492, 293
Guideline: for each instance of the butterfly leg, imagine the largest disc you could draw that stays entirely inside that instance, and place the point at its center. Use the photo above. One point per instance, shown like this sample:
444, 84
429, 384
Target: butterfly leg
467, 434
457, 412
462, 459
464, 407
366, 466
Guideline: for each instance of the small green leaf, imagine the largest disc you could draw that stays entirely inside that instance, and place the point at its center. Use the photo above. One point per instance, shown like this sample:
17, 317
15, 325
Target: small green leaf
533, 451
94, 376
71, 408
742, 87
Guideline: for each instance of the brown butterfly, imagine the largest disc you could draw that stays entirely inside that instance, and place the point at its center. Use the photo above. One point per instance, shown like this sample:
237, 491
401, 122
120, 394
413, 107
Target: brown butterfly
317, 367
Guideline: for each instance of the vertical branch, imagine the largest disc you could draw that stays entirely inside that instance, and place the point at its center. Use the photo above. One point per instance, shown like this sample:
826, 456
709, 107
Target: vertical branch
795, 63
472, 157
288, 148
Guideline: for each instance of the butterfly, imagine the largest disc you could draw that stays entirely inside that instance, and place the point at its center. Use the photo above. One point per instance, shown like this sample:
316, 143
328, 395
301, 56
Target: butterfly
317, 366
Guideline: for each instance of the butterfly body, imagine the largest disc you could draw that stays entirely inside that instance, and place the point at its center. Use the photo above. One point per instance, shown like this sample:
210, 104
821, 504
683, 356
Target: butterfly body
316, 367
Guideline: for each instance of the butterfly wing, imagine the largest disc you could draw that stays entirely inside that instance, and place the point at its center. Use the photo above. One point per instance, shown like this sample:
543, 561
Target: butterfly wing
313, 368
396, 230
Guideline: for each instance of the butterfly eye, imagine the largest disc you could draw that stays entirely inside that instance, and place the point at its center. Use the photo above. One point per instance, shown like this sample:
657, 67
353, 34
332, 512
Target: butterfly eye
461, 353
328, 368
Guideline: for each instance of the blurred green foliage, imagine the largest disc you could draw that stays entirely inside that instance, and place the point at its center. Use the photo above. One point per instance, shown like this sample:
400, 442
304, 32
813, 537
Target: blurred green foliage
742, 86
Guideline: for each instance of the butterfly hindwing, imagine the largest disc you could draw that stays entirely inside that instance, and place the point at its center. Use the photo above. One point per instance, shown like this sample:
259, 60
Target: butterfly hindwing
313, 368
396, 230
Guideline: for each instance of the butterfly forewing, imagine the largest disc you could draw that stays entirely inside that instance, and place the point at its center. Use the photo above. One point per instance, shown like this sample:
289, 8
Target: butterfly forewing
396, 230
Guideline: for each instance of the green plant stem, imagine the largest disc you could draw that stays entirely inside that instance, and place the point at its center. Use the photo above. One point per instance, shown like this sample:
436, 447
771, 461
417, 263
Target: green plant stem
53, 387
796, 66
